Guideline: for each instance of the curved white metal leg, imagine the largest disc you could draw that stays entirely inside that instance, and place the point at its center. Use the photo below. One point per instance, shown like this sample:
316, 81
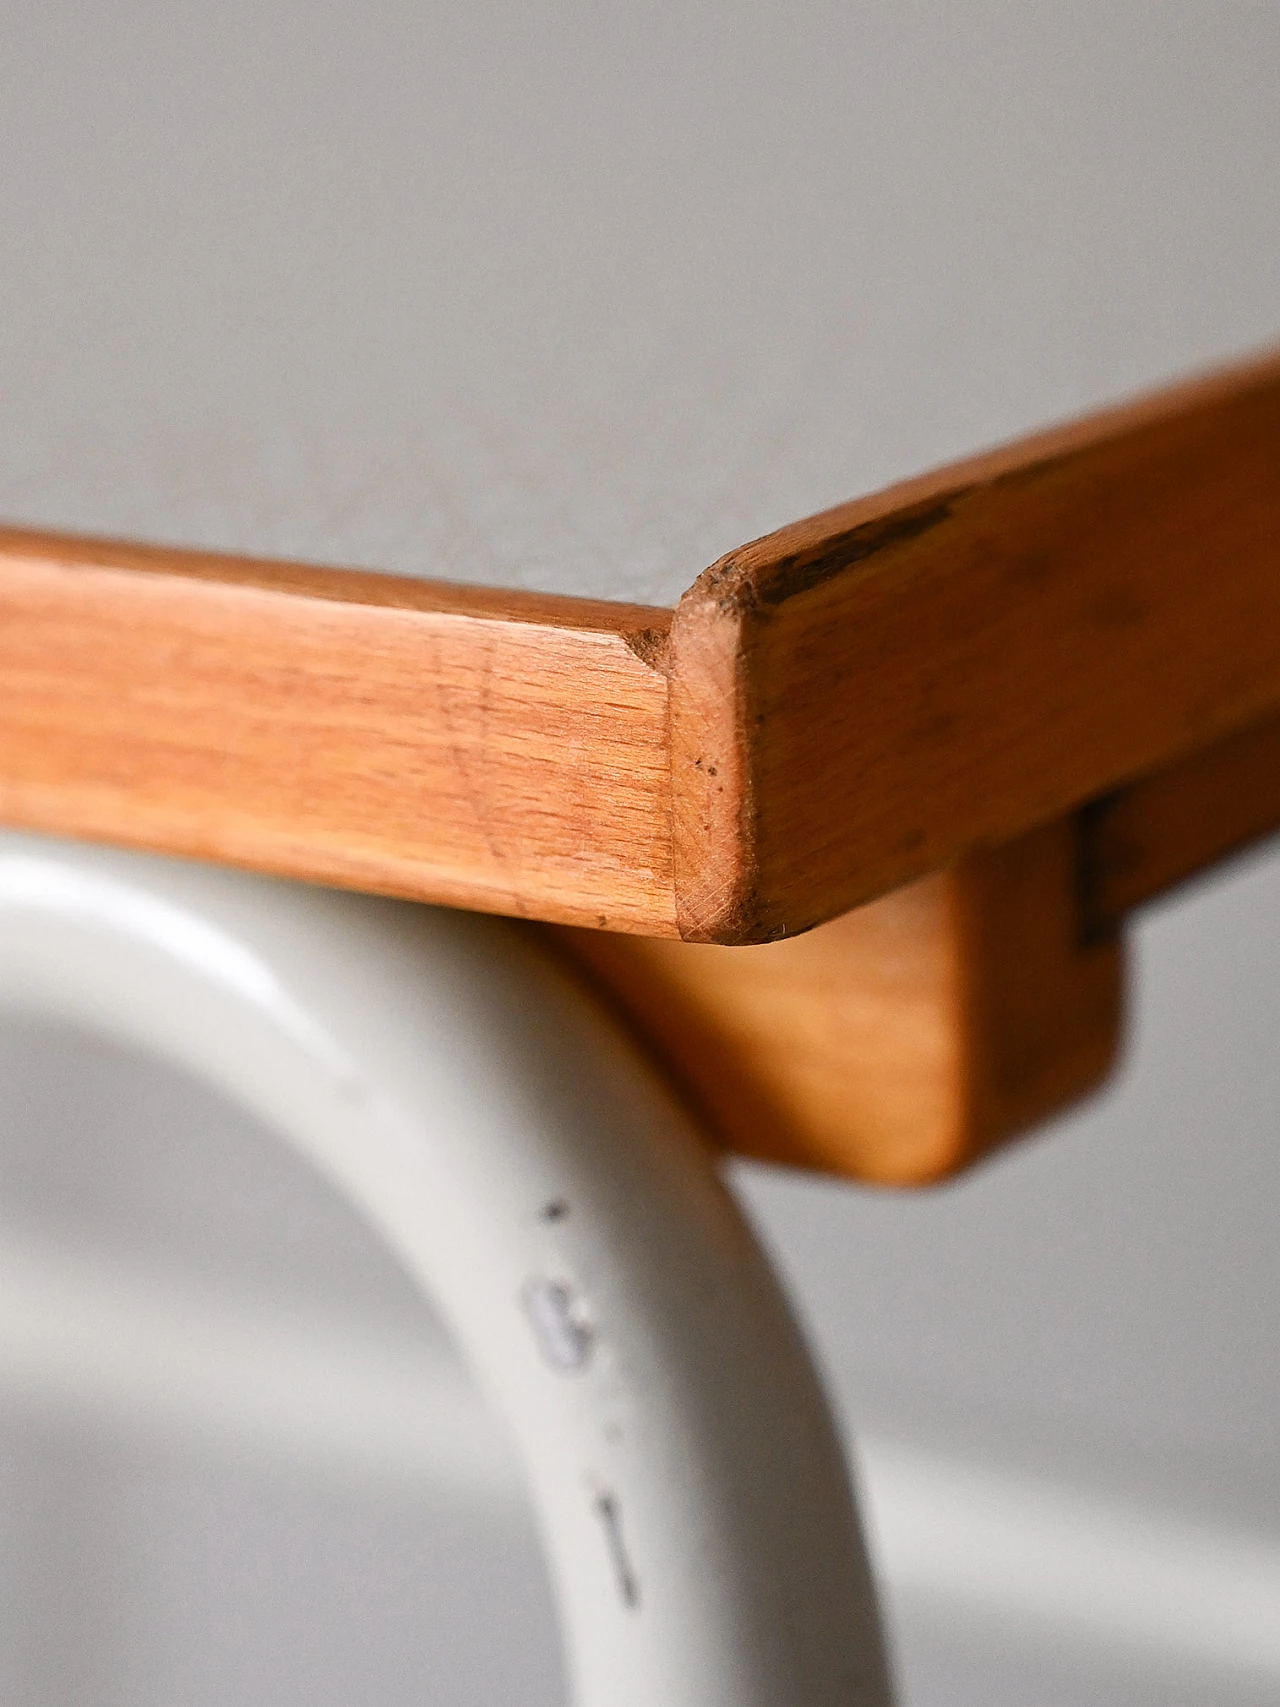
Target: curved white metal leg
538, 1181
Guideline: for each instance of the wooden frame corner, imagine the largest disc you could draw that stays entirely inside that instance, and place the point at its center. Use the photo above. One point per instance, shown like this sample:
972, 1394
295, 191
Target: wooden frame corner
865, 696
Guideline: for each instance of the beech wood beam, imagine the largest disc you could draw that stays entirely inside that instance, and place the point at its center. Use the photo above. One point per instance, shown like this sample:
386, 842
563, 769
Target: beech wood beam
830, 712
964, 728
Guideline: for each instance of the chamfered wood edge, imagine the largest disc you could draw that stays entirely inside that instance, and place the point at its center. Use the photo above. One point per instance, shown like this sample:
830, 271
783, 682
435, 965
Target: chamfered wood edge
791, 655
644, 626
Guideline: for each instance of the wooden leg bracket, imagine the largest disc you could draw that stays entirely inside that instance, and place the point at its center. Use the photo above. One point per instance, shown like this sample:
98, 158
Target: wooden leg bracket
900, 1042
903, 1041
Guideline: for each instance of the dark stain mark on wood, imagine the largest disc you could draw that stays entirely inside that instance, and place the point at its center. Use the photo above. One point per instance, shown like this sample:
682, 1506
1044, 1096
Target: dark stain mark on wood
652, 646
800, 571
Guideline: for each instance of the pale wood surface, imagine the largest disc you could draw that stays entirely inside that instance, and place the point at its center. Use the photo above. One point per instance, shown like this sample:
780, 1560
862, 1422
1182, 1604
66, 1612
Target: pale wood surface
502, 753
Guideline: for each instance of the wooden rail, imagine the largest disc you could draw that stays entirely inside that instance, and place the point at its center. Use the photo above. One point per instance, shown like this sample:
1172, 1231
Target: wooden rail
1015, 698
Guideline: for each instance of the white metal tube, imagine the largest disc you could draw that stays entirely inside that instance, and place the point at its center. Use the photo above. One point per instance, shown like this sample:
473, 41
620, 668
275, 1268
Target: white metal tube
540, 1183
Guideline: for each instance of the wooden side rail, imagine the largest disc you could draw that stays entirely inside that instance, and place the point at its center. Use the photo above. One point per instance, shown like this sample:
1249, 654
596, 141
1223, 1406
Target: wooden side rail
497, 751
871, 694
1013, 699
1142, 840
853, 702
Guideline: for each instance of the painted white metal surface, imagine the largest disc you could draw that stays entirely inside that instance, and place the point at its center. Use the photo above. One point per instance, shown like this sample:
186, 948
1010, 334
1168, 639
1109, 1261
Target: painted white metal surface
143, 1352
540, 1185
577, 298
236, 1462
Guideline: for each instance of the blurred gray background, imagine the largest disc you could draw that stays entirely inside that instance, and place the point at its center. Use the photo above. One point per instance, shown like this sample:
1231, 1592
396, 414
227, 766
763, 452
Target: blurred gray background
238, 1463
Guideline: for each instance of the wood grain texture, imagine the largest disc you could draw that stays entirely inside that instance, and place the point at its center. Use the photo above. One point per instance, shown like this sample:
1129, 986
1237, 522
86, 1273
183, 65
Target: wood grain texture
496, 751
868, 695
896, 1044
